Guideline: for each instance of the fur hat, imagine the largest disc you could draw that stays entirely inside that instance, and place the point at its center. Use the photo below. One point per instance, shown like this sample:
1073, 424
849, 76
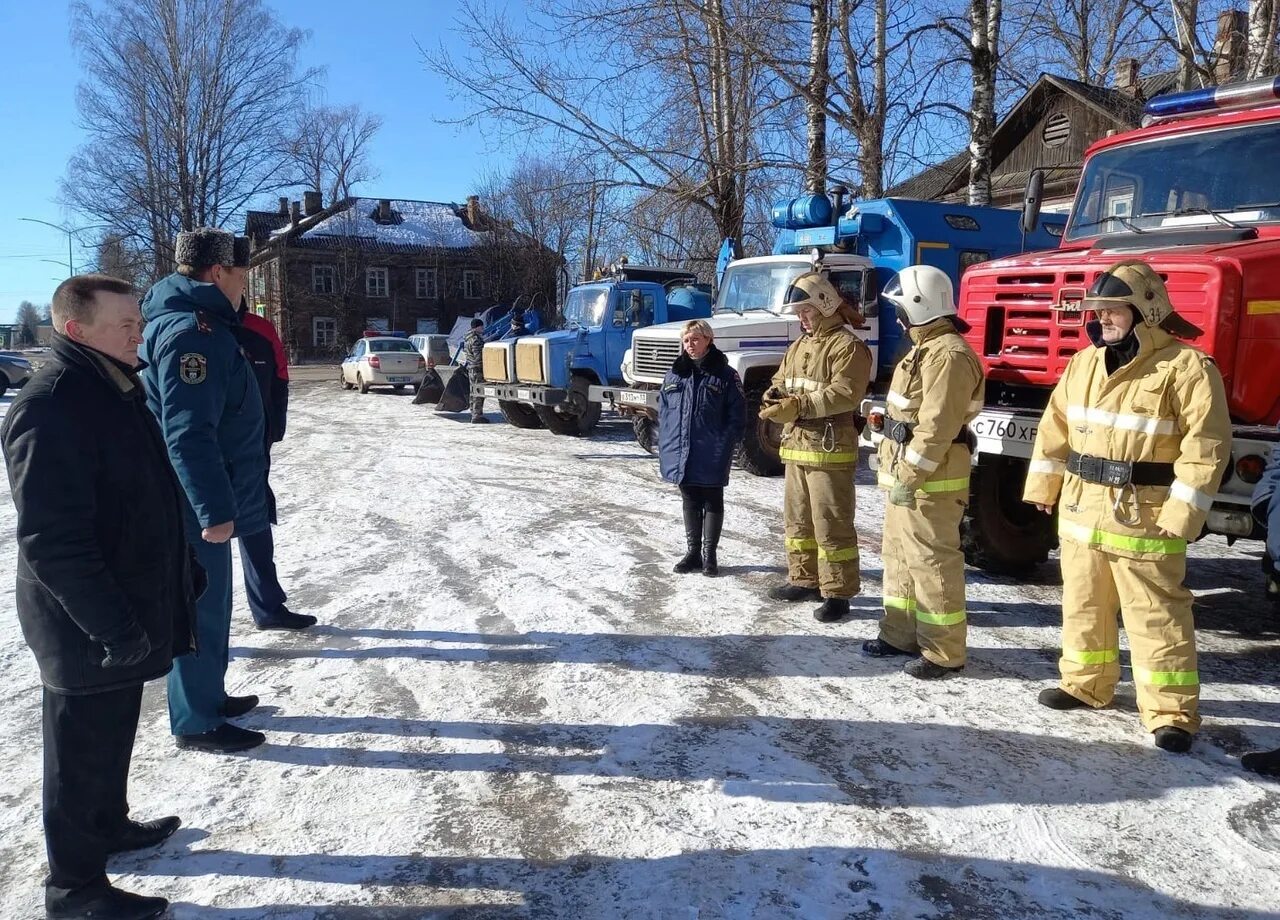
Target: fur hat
241, 254
204, 248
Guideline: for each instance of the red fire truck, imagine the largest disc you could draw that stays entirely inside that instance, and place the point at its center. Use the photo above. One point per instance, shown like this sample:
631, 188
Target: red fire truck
1195, 192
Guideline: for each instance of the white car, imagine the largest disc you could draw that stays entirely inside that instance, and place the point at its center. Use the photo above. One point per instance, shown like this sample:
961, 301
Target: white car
382, 361
434, 347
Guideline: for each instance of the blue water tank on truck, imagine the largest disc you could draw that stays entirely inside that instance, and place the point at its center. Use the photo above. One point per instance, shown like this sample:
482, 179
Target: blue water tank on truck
545, 380
861, 246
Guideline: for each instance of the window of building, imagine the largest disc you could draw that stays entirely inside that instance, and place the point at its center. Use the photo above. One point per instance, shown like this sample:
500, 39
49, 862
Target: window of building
324, 279
376, 282
324, 330
426, 283
471, 285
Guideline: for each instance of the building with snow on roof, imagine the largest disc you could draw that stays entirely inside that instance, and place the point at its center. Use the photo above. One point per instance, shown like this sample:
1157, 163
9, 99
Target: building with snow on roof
325, 275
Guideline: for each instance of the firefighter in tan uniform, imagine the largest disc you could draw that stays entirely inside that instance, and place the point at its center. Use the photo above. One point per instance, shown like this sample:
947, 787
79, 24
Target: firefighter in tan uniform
1132, 448
924, 462
814, 395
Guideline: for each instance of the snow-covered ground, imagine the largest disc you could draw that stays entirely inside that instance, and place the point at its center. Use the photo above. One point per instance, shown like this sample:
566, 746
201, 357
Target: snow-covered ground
514, 709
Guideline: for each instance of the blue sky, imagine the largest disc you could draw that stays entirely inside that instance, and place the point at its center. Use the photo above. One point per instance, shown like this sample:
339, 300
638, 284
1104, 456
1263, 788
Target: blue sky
371, 59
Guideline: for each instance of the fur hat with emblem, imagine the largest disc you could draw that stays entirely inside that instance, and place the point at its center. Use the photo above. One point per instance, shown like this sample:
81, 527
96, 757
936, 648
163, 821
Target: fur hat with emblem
204, 248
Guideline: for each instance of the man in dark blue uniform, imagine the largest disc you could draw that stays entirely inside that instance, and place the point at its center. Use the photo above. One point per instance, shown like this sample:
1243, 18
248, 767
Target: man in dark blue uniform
201, 389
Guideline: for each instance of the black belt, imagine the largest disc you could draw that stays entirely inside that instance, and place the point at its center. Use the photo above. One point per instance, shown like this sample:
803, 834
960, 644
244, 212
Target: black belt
1103, 472
903, 432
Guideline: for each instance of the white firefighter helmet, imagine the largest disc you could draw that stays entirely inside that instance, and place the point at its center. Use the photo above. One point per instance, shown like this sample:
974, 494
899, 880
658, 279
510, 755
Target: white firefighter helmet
922, 294
813, 289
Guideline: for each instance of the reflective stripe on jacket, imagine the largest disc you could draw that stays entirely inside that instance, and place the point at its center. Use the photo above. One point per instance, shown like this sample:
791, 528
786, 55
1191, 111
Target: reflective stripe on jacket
937, 389
1167, 405
828, 370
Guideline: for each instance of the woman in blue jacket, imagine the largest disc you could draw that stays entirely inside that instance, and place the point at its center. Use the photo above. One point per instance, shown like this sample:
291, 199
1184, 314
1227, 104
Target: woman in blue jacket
701, 416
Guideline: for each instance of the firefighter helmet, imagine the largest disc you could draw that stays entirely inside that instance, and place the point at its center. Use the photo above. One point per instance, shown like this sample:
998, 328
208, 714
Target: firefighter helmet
921, 294
1137, 284
813, 289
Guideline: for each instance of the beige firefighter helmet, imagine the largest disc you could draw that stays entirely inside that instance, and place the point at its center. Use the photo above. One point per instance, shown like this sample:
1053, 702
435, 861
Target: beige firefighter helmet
1136, 283
813, 289
922, 293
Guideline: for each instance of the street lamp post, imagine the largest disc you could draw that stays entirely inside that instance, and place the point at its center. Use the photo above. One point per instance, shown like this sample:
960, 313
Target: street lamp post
70, 232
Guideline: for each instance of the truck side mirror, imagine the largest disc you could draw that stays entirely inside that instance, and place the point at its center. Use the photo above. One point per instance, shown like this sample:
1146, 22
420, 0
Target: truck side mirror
619, 316
1031, 201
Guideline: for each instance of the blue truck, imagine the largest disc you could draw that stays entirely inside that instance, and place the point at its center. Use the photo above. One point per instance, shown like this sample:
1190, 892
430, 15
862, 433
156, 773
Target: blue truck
546, 381
861, 245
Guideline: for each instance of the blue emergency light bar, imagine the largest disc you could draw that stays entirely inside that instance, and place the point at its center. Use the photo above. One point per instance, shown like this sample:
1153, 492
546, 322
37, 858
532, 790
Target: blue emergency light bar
1214, 99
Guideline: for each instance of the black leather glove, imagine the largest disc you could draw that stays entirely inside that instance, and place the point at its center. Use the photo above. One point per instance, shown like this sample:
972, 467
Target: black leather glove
132, 647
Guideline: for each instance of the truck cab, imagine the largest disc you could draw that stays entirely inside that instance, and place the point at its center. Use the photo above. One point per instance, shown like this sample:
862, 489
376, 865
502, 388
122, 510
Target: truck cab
544, 380
1194, 193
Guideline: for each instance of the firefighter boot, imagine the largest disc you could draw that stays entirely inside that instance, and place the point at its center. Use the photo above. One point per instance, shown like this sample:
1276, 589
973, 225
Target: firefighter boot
878, 648
793, 593
692, 560
1057, 698
712, 523
923, 669
1173, 739
832, 610
1264, 763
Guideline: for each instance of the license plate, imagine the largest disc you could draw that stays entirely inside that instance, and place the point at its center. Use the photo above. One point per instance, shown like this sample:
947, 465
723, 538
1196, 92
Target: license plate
634, 399
1006, 428
399, 379
490, 391
524, 394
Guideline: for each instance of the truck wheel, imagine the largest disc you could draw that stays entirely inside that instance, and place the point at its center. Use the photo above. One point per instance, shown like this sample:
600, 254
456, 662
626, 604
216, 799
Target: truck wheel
646, 431
518, 415
577, 415
1001, 533
761, 441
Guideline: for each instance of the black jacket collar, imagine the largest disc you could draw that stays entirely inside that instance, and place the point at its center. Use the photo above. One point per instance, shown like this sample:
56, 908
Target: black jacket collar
122, 378
713, 363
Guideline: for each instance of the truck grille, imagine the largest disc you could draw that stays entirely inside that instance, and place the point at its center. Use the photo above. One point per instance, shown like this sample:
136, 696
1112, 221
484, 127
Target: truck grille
1022, 334
529, 362
653, 358
494, 363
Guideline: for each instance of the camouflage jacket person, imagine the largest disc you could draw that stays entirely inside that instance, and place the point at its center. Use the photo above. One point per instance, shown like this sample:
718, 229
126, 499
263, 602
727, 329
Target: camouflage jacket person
473, 349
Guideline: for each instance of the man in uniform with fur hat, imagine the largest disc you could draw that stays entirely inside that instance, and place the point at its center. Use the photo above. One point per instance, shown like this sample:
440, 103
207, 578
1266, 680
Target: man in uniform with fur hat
815, 396
202, 390
1131, 448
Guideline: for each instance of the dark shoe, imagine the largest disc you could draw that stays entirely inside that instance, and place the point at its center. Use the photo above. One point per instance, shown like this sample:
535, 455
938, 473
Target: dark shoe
793, 593
236, 706
225, 739
101, 902
1264, 763
479, 420
1057, 698
832, 609
924, 669
287, 619
1173, 739
692, 560
878, 648
138, 835
711, 526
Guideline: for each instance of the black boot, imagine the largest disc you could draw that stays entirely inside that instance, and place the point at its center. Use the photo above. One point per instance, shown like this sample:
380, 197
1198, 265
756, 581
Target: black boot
878, 648
923, 669
100, 901
138, 835
1057, 698
793, 593
1264, 763
712, 522
235, 706
1173, 739
832, 610
225, 739
692, 560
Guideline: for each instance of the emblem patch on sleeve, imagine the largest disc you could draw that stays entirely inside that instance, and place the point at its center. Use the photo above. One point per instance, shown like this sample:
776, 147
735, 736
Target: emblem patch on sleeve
194, 368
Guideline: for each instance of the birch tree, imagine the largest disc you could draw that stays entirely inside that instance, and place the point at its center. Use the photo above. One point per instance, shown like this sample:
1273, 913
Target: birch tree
1264, 17
328, 148
816, 101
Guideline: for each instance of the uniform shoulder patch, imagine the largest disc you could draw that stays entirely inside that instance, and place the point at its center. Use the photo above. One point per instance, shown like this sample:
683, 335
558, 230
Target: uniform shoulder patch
193, 368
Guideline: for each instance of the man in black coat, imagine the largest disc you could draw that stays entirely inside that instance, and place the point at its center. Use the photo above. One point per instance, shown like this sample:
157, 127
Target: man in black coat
106, 585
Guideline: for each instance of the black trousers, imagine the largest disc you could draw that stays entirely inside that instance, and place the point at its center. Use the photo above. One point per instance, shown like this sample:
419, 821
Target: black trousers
701, 499
88, 744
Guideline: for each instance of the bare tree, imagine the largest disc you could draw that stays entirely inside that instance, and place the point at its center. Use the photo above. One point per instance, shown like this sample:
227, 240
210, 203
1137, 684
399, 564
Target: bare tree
184, 103
117, 258
328, 148
1264, 17
1083, 39
978, 34
28, 321
667, 99
816, 98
